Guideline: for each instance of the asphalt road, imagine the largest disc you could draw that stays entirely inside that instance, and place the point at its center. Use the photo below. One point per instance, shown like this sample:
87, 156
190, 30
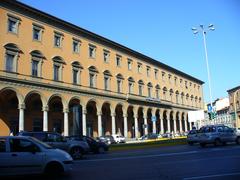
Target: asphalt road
174, 162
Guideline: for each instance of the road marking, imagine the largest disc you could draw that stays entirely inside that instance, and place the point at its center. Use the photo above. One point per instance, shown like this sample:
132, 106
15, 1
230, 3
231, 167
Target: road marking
212, 176
137, 157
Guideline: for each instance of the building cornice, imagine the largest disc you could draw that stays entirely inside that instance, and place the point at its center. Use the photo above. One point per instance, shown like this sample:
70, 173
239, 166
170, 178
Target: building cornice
233, 89
46, 18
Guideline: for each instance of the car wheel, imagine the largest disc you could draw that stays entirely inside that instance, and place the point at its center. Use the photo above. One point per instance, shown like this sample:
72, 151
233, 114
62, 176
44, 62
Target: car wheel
238, 140
53, 169
217, 142
202, 145
76, 153
101, 150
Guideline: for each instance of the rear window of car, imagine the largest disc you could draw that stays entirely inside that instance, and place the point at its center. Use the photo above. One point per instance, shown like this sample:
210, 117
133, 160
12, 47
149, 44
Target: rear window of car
40, 136
2, 145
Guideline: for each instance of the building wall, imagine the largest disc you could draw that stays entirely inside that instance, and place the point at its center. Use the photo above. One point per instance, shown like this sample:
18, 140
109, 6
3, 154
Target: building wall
169, 79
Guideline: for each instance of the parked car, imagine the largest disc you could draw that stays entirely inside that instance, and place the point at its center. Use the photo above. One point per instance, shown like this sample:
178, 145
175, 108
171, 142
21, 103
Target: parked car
192, 137
149, 136
167, 135
26, 155
217, 135
95, 146
108, 139
75, 148
119, 138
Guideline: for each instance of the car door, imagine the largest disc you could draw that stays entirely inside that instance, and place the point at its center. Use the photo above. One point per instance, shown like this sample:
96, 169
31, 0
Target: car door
25, 159
56, 141
6, 162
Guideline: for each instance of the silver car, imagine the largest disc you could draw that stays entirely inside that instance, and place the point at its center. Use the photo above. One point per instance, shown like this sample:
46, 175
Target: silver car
217, 135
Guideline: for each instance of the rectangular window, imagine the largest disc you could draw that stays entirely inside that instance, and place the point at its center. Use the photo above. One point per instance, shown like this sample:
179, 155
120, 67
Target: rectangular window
140, 90
118, 60
91, 80
149, 92
9, 62
58, 40
75, 76
36, 34
56, 70
157, 93
76, 45
148, 71
129, 64
35, 68
156, 73
106, 83
13, 25
139, 68
130, 87
119, 85
106, 56
92, 51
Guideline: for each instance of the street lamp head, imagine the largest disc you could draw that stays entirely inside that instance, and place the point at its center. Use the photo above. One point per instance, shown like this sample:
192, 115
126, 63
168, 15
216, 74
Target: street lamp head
194, 29
195, 32
210, 26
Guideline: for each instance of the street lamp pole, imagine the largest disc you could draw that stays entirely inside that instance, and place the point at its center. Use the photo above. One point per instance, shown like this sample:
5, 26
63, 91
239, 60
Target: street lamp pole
204, 32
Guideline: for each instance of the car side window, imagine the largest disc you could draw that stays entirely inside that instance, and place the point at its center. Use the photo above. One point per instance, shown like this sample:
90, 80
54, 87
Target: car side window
22, 145
40, 136
220, 129
54, 138
2, 145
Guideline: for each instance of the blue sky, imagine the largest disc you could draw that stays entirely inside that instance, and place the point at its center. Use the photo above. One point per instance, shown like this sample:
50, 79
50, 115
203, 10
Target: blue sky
161, 29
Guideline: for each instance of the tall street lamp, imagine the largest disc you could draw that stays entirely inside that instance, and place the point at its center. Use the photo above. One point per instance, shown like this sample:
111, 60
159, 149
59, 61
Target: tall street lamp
204, 32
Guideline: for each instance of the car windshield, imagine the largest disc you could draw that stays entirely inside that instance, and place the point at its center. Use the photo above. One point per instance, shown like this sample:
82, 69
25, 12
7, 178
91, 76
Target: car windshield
44, 145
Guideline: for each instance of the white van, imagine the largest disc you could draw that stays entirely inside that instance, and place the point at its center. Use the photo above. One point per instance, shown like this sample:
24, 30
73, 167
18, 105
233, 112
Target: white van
26, 155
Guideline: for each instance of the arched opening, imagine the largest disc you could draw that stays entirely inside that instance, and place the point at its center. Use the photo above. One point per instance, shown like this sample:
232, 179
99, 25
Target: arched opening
75, 118
149, 121
171, 122
158, 124
106, 119
92, 123
56, 116
130, 122
141, 125
9, 114
183, 122
165, 128
119, 120
178, 122
33, 113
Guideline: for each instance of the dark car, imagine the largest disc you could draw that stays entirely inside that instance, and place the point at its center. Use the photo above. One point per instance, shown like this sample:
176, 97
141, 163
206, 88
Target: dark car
75, 148
95, 146
108, 139
149, 136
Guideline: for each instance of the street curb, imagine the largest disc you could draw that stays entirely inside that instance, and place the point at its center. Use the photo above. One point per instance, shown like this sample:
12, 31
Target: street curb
147, 144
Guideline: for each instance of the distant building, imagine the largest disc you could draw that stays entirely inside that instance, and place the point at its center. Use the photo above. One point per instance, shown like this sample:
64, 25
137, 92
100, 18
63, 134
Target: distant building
234, 99
220, 113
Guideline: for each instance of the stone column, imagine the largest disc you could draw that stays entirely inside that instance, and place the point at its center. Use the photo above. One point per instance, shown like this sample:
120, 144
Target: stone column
84, 126
99, 124
185, 123
45, 118
21, 108
66, 128
174, 125
180, 124
136, 126
168, 122
145, 125
125, 125
113, 123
